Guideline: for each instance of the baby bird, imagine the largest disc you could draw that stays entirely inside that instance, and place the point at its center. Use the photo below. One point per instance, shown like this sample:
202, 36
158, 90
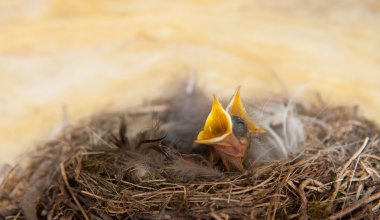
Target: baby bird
228, 131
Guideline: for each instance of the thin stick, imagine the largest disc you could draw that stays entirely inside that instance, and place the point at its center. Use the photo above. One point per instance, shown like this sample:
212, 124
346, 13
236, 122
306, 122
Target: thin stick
346, 165
372, 156
165, 206
64, 176
302, 193
215, 216
349, 185
17, 216
354, 206
376, 207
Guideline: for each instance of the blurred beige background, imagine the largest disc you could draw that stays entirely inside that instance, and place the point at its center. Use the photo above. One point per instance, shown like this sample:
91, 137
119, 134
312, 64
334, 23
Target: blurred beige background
95, 55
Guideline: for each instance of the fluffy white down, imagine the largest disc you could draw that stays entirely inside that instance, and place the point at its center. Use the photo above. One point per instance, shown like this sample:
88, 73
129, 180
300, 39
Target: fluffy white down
285, 133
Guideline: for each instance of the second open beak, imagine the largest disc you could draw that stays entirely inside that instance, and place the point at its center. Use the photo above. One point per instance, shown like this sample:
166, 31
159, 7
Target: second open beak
236, 107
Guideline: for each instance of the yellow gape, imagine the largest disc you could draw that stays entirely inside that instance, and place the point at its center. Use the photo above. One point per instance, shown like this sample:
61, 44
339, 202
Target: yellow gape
236, 108
230, 145
218, 125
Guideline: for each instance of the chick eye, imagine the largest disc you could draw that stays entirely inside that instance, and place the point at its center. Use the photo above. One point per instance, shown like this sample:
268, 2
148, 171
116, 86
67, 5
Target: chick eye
239, 127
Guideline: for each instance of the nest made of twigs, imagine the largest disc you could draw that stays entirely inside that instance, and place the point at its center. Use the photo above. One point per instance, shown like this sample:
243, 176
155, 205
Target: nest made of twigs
93, 171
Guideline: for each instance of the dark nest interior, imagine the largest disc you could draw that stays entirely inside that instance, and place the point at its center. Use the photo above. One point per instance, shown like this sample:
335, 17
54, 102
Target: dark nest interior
127, 164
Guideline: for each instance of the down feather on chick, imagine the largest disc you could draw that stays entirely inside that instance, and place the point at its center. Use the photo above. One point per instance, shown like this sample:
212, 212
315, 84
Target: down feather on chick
284, 130
285, 133
225, 138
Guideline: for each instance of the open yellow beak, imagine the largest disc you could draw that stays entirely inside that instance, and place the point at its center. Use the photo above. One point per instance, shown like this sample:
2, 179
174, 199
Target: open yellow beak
218, 125
218, 132
236, 108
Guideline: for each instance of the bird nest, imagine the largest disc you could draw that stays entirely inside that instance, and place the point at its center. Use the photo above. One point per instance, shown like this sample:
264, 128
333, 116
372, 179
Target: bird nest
93, 170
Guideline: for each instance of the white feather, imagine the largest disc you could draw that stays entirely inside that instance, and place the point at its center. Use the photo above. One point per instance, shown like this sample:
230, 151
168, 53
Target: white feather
285, 133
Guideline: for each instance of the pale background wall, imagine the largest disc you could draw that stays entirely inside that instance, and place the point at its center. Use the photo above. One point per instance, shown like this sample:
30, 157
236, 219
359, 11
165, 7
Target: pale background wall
94, 55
